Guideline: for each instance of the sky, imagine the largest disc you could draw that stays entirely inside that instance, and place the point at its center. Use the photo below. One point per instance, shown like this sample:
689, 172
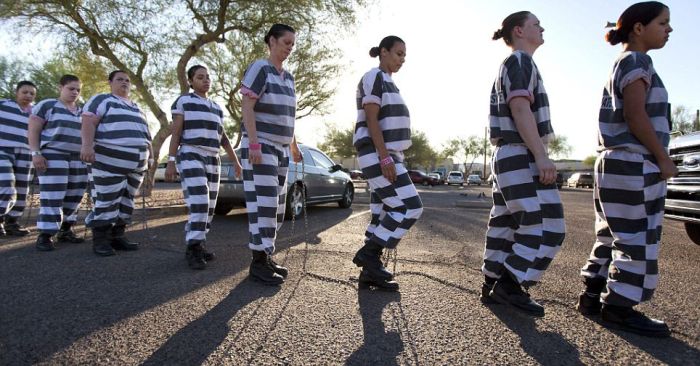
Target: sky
451, 63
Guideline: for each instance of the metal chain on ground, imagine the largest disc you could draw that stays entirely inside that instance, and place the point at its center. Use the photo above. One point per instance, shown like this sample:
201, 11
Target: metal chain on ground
29, 196
86, 207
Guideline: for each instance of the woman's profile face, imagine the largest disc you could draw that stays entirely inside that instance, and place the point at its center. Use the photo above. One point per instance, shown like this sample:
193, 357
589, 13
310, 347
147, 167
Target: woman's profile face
25, 95
395, 57
282, 47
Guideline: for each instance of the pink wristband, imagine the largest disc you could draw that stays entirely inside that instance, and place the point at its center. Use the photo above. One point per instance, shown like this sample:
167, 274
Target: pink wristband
386, 161
254, 146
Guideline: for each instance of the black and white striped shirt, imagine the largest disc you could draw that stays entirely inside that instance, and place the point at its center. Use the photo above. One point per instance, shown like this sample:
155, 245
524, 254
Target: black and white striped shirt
518, 76
613, 130
202, 122
121, 123
275, 109
14, 124
377, 87
61, 126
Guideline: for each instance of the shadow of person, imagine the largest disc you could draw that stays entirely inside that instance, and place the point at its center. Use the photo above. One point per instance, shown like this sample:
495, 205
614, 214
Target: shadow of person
193, 344
380, 347
547, 348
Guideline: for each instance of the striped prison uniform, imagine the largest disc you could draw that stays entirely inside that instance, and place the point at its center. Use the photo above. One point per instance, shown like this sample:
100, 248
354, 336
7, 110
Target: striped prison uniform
198, 161
121, 158
526, 224
15, 159
629, 193
265, 184
396, 206
63, 184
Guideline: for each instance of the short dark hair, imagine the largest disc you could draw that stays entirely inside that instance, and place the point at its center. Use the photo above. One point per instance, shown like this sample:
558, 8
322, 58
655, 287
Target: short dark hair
387, 43
643, 13
68, 78
111, 74
509, 23
24, 83
277, 31
192, 70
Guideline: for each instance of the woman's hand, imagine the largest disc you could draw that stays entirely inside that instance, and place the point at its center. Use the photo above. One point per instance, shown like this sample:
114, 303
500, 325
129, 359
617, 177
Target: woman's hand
39, 163
668, 168
296, 153
254, 156
388, 168
547, 171
87, 154
170, 171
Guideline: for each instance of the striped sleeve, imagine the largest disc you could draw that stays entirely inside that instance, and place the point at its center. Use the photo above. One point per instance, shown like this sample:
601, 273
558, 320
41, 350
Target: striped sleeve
96, 106
633, 68
178, 107
255, 77
372, 88
520, 76
43, 109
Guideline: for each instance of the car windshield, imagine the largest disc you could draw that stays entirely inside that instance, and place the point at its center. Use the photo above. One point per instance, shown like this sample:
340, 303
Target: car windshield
455, 174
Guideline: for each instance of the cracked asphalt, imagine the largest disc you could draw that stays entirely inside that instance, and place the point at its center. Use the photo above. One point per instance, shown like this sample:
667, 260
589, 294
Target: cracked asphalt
71, 307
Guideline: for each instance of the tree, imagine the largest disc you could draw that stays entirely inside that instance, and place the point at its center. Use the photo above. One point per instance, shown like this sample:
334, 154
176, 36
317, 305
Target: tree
682, 120
559, 146
11, 72
590, 160
141, 38
338, 143
464, 149
420, 153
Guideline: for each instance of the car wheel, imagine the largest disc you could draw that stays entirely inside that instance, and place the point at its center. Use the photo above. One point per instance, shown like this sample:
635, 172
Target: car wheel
693, 231
348, 196
223, 208
295, 201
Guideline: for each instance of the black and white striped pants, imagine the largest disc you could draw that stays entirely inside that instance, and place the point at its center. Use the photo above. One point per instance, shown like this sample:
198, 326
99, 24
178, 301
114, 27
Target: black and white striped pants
526, 225
117, 174
199, 176
629, 199
15, 175
265, 187
395, 207
61, 187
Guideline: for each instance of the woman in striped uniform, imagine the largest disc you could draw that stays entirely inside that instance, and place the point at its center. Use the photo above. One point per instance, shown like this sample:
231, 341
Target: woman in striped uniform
54, 138
630, 176
15, 159
382, 133
526, 224
198, 134
116, 141
269, 109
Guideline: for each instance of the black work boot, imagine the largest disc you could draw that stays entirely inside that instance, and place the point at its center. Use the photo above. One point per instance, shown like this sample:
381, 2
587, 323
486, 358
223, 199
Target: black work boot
631, 320
369, 257
195, 256
282, 271
507, 291
44, 243
208, 256
66, 234
101, 243
262, 271
367, 279
119, 241
12, 227
486, 288
589, 299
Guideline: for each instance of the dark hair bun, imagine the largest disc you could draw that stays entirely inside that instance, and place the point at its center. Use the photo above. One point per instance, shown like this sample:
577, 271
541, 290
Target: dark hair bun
497, 34
374, 52
613, 37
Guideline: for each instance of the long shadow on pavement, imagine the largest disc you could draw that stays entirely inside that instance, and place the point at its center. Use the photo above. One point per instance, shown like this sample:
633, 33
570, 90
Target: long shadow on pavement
547, 348
192, 344
379, 347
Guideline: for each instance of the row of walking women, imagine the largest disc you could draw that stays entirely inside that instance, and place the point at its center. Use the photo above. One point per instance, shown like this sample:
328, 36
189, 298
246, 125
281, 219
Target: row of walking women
526, 225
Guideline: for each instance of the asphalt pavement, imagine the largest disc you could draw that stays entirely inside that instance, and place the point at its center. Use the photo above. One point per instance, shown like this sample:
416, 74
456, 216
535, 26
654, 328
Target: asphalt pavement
146, 307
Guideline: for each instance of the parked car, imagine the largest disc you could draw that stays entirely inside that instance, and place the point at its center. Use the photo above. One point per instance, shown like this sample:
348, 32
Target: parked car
455, 177
356, 174
441, 177
317, 180
474, 179
159, 176
419, 177
683, 191
580, 180
435, 177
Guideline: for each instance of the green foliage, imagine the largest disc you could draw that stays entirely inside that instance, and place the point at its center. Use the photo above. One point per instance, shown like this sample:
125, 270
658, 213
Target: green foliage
463, 149
420, 153
11, 72
590, 160
559, 147
338, 143
683, 121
